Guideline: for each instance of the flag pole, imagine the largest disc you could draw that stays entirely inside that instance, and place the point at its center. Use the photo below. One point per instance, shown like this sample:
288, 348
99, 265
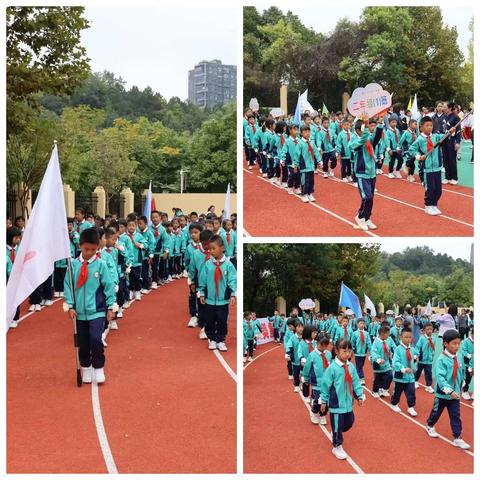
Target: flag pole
75, 336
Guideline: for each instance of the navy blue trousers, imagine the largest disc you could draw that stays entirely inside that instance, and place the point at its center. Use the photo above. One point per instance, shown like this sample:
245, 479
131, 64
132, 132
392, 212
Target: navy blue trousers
293, 178
433, 188
296, 375
308, 181
216, 322
453, 408
366, 187
359, 363
145, 275
316, 403
427, 368
340, 422
382, 380
136, 278
408, 388
329, 157
395, 156
89, 334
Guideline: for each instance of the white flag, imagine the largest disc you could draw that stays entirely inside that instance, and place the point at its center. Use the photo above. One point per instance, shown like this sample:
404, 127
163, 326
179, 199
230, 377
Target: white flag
428, 308
304, 103
415, 113
226, 210
369, 304
44, 241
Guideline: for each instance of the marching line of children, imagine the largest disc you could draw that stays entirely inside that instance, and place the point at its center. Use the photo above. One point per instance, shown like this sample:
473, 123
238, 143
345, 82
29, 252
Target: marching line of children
290, 155
318, 352
117, 261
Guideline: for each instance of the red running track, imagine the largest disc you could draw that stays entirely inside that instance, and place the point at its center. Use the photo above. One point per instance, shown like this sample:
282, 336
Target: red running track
168, 405
398, 209
380, 441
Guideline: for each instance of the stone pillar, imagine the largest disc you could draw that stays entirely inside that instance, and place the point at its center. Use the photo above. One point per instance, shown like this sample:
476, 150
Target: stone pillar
99, 198
345, 99
144, 198
281, 305
126, 202
283, 99
380, 308
69, 196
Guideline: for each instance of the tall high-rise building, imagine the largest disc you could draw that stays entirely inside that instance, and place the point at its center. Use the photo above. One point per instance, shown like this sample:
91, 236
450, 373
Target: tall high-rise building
212, 83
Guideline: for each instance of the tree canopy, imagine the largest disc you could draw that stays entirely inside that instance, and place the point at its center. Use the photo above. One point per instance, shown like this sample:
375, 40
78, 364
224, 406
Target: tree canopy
387, 45
297, 271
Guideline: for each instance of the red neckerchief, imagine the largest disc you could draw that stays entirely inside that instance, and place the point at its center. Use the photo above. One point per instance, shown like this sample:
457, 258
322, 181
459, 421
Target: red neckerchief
369, 147
282, 140
155, 231
348, 136
362, 337
324, 359
394, 130
310, 346
327, 133
254, 129
345, 332
131, 238
413, 135
295, 140
108, 249
429, 144
409, 356
12, 255
455, 368
82, 278
348, 378
385, 349
227, 234
310, 149
217, 275
430, 343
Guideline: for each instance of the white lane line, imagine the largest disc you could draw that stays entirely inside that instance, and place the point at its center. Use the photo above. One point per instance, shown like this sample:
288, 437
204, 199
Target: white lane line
422, 209
443, 189
463, 403
260, 355
225, 365
100, 427
408, 417
329, 212
350, 460
21, 319
248, 171
245, 233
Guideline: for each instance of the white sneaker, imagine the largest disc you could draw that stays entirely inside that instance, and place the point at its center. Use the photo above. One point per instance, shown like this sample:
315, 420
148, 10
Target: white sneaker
323, 420
99, 375
445, 181
56, 294
345, 180
62, 294
222, 347
113, 325
290, 191
350, 179
290, 377
138, 295
432, 432
104, 338
430, 211
331, 173
14, 324
417, 385
250, 167
284, 184
38, 308
411, 411
87, 374
466, 396
120, 313
296, 389
305, 199
397, 174
202, 335
144, 291
298, 191
250, 359
42, 303
212, 345
311, 198
264, 175
371, 225
31, 308
339, 452
458, 442
244, 359
391, 175
454, 182
48, 303
132, 294
436, 210
355, 184
314, 418
395, 408
185, 274
429, 390
193, 322
306, 400
126, 305
362, 381
154, 285
325, 175
272, 180
375, 394
362, 225
411, 178
384, 393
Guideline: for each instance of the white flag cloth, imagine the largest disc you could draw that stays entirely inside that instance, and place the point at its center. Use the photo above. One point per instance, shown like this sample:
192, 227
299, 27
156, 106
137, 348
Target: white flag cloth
226, 210
44, 240
414, 110
304, 105
369, 304
428, 308
147, 211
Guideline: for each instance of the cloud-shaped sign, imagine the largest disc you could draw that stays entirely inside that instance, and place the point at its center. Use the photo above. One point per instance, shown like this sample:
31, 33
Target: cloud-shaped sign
306, 304
370, 100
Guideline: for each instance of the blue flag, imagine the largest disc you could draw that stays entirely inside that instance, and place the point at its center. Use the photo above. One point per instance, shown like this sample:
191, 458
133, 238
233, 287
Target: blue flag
296, 118
350, 300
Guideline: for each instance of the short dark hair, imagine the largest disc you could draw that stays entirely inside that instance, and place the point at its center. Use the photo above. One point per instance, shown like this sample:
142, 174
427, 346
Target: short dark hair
109, 232
90, 235
304, 128
217, 239
425, 120
307, 332
324, 340
450, 335
206, 235
12, 232
143, 218
384, 329
452, 310
195, 226
343, 343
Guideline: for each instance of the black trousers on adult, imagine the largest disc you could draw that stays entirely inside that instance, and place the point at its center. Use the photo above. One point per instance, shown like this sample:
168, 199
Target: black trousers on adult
433, 188
216, 322
59, 278
427, 368
408, 388
340, 423
382, 380
42, 292
450, 160
91, 350
366, 187
453, 408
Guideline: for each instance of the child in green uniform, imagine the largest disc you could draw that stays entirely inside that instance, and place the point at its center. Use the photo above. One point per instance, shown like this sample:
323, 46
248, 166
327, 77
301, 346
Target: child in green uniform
195, 229
404, 367
407, 138
361, 344
136, 248
291, 348
329, 159
306, 161
380, 356
14, 236
449, 376
306, 345
148, 252
342, 147
90, 303
276, 322
392, 144
290, 325
314, 369
229, 237
250, 331
467, 352
426, 351
340, 386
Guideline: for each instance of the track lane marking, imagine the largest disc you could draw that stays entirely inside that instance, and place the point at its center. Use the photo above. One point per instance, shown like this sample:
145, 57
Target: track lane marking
21, 319
225, 365
258, 356
408, 417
